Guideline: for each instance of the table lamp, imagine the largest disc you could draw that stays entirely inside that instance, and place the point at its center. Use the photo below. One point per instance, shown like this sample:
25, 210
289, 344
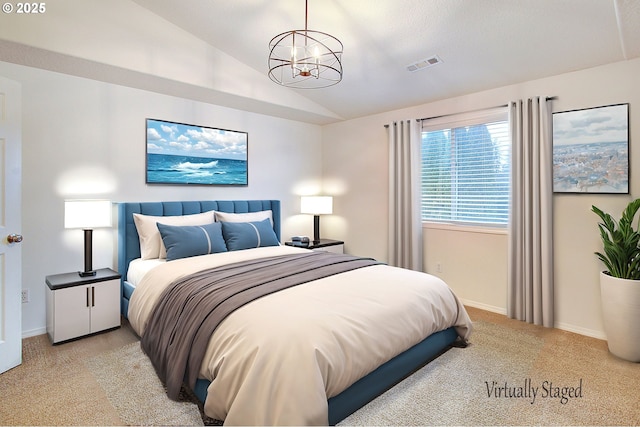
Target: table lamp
87, 214
316, 205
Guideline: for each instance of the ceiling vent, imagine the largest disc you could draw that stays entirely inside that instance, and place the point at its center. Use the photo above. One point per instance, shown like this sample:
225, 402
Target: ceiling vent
424, 63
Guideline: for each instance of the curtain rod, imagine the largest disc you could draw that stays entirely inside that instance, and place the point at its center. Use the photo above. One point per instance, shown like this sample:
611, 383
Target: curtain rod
469, 111
548, 98
395, 122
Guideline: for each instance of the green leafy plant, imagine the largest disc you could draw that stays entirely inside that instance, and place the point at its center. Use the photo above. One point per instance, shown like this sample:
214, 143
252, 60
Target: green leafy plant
620, 240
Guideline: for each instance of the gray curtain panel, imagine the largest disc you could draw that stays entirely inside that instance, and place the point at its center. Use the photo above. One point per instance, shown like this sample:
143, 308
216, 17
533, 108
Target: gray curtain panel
405, 224
530, 267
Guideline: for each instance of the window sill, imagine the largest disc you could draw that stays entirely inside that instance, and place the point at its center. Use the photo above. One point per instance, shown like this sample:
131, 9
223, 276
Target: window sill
464, 228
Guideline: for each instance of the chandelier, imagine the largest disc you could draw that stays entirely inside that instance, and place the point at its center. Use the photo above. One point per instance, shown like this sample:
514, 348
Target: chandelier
305, 59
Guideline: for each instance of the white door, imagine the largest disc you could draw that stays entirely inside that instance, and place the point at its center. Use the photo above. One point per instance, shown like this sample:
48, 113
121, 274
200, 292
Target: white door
10, 223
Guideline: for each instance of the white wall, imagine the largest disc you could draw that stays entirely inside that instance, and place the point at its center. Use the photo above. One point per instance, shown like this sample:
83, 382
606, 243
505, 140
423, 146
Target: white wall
355, 170
452, 254
125, 43
83, 138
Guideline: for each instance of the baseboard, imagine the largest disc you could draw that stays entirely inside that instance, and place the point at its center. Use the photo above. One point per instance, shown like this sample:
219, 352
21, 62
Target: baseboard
34, 332
581, 331
558, 325
483, 306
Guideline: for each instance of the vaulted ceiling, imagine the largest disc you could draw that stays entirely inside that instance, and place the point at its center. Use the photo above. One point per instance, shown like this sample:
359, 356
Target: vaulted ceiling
216, 50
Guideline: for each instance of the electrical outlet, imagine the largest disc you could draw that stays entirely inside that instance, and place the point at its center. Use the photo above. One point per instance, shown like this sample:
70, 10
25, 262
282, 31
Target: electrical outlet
439, 267
25, 296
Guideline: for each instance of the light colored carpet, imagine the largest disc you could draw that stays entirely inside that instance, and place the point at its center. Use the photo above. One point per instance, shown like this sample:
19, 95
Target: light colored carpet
455, 388
52, 386
133, 388
106, 380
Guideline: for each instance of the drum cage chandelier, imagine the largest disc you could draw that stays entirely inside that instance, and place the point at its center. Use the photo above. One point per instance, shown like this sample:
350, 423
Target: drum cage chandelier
305, 59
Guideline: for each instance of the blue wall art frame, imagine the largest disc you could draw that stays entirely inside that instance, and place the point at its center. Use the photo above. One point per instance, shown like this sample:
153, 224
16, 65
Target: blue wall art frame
179, 153
591, 150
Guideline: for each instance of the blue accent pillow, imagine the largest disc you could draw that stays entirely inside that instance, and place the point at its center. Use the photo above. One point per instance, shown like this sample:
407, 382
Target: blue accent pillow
191, 240
247, 235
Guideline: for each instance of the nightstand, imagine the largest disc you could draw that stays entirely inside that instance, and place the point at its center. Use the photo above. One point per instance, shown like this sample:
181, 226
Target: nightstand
78, 306
328, 245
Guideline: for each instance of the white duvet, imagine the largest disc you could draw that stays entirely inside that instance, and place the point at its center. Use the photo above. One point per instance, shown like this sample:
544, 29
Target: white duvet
278, 359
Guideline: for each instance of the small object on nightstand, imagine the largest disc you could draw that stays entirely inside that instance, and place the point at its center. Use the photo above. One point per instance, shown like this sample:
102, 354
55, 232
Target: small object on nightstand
298, 241
78, 306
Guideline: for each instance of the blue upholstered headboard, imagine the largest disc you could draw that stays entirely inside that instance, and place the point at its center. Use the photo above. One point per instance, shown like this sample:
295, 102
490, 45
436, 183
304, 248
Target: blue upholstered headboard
128, 240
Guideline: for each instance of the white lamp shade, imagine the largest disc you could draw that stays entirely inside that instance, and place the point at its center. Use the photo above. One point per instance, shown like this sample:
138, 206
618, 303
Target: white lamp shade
316, 205
87, 213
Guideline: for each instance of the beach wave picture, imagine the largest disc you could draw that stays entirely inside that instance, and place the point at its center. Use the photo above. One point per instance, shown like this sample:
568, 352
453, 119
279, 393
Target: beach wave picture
179, 153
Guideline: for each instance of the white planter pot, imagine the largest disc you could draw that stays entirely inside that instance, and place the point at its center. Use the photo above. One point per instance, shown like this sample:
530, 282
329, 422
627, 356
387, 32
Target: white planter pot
621, 313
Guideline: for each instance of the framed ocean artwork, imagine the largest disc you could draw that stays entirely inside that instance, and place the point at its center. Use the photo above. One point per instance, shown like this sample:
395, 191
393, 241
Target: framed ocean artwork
591, 150
179, 153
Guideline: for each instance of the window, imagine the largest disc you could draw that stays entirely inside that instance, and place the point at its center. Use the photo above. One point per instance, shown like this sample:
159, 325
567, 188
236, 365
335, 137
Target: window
465, 169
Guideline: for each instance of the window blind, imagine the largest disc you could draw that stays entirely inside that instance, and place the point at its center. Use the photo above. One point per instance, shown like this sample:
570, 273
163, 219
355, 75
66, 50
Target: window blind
465, 168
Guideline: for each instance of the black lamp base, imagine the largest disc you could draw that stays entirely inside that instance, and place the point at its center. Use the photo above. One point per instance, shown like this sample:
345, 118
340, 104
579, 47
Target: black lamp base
316, 229
88, 254
87, 273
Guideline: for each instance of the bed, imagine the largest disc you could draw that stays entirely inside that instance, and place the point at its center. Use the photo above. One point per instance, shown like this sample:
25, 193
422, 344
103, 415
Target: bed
244, 383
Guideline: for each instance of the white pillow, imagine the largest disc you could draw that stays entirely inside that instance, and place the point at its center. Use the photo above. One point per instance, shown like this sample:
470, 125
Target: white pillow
244, 217
151, 245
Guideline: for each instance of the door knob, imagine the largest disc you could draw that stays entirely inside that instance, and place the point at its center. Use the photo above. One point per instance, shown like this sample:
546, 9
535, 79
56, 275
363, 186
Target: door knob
14, 238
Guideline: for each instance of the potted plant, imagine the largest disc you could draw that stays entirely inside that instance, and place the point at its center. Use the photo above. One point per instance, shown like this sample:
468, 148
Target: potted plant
620, 283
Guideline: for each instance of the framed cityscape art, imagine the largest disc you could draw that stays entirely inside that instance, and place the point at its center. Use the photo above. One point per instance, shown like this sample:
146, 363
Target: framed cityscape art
591, 150
179, 153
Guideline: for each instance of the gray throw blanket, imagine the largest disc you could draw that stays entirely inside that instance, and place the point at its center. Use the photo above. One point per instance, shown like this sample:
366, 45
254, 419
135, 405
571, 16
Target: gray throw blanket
190, 309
